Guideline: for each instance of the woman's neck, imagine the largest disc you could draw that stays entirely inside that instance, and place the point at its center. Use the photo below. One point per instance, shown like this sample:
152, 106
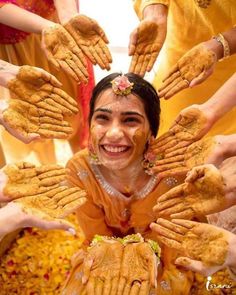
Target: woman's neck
128, 180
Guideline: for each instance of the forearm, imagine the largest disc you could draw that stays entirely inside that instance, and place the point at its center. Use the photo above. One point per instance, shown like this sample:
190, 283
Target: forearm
10, 219
7, 71
222, 101
21, 19
66, 9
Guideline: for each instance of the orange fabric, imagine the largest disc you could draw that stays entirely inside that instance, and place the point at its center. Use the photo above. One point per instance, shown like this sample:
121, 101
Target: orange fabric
103, 214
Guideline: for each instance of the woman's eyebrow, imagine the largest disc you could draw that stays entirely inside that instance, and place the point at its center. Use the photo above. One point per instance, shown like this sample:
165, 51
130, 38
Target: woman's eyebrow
103, 110
132, 113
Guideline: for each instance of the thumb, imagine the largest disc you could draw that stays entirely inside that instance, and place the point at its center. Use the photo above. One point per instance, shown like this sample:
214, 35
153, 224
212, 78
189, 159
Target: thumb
132, 42
196, 266
202, 77
88, 262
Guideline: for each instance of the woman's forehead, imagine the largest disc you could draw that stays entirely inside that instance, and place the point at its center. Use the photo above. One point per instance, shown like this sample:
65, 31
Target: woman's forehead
109, 100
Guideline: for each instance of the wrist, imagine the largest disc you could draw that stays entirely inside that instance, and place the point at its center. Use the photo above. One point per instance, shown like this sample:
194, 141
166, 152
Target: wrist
7, 72
45, 24
156, 13
216, 47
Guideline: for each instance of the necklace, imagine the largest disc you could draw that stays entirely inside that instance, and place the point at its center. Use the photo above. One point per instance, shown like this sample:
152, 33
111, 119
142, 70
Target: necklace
203, 3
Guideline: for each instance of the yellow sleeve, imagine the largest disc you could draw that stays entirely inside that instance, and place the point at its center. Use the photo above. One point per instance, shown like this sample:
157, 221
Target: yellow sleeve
139, 5
92, 220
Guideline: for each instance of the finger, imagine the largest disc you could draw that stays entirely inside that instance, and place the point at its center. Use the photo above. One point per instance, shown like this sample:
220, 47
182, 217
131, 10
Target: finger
170, 166
135, 288
100, 56
174, 193
182, 84
48, 107
145, 287
80, 56
178, 208
172, 226
163, 139
121, 286
170, 86
133, 63
185, 223
98, 286
179, 149
114, 286
53, 101
166, 241
202, 77
179, 158
168, 81
158, 209
70, 200
79, 68
52, 180
45, 113
68, 70
165, 232
60, 128
53, 134
87, 265
195, 265
55, 189
90, 288
50, 78
65, 99
194, 174
97, 57
139, 64
65, 191
101, 33
152, 60
181, 171
49, 170
52, 121
108, 286
185, 214
127, 289
106, 52
51, 59
88, 51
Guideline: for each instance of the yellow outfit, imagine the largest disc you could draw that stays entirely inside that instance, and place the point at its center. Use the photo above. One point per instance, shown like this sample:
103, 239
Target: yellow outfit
109, 212
188, 25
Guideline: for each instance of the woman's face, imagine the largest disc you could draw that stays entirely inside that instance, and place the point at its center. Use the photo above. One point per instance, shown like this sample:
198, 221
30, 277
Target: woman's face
119, 130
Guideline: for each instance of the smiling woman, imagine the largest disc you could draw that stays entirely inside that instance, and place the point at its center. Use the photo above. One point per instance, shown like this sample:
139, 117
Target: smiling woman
120, 195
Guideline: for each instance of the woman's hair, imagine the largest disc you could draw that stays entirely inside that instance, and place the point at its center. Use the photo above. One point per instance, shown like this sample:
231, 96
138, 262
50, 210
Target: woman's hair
143, 89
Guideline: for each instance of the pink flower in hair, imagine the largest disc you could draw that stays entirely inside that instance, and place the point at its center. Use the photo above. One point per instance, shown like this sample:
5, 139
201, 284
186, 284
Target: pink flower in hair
121, 85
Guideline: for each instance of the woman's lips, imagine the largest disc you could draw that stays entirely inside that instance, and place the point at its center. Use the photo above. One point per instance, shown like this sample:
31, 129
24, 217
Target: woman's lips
115, 150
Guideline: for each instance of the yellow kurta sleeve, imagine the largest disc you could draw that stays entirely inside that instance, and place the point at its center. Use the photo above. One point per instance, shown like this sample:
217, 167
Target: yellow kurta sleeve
139, 5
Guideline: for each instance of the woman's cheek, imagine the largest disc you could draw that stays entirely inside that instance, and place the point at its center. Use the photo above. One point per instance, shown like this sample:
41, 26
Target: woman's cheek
96, 134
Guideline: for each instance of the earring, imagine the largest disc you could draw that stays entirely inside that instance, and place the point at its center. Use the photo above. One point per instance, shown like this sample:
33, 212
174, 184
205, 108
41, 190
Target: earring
150, 157
92, 155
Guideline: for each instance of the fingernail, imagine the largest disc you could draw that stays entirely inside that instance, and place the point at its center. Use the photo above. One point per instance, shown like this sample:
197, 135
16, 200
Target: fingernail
71, 231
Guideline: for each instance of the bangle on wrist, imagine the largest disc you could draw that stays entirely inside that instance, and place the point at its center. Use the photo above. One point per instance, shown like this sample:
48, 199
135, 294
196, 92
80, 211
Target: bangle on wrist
225, 44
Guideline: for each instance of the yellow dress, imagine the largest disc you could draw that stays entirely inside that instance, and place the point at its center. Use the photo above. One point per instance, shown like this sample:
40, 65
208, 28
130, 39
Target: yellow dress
20, 48
188, 25
109, 212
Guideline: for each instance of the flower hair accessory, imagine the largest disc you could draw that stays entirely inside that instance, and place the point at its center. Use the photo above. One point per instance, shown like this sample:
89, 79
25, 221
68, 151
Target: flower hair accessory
121, 85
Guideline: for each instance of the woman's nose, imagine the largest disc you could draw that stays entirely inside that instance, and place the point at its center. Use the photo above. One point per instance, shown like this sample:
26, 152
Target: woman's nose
114, 132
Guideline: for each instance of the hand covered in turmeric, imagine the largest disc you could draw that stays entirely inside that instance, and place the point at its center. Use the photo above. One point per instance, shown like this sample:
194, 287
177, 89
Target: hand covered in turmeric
101, 267
193, 67
206, 248
202, 193
138, 269
28, 122
38, 190
38, 87
91, 39
144, 46
205, 151
62, 51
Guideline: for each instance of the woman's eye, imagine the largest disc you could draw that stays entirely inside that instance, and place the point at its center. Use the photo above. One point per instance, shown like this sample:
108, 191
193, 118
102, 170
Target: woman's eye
131, 120
102, 118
